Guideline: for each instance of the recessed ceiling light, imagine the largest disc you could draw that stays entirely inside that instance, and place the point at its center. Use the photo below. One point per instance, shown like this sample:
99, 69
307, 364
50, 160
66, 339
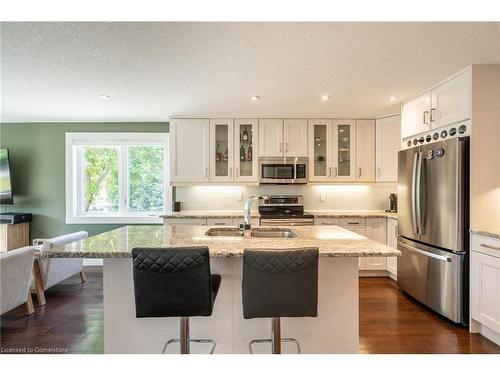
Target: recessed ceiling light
392, 98
325, 97
105, 97
255, 98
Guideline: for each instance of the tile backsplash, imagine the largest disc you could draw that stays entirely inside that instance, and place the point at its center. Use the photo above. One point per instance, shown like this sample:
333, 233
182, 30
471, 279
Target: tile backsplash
374, 196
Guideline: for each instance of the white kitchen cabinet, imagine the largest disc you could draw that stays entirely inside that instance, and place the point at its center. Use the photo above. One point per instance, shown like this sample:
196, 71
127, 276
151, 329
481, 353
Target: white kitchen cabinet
246, 135
415, 116
356, 225
376, 230
221, 150
189, 150
344, 150
485, 286
392, 241
295, 137
365, 150
326, 221
450, 102
320, 148
283, 137
387, 145
271, 137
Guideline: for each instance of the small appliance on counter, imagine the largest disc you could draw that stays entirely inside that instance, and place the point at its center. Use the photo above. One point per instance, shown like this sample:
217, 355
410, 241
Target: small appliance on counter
176, 206
393, 203
284, 210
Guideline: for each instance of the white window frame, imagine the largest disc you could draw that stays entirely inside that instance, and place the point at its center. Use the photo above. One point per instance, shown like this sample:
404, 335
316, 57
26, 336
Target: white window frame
74, 214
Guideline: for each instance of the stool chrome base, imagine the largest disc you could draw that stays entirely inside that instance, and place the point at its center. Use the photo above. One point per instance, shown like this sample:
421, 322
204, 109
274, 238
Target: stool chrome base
184, 341
275, 339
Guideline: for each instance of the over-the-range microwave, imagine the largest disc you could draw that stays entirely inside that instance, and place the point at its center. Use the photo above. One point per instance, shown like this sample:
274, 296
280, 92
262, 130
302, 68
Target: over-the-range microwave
283, 170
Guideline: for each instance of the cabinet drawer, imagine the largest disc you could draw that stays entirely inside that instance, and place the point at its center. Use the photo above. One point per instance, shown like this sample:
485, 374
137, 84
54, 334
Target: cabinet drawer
326, 221
486, 245
352, 222
185, 221
225, 221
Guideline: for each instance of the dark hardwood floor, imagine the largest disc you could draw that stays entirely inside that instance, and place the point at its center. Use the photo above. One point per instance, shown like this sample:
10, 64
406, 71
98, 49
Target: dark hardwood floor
72, 322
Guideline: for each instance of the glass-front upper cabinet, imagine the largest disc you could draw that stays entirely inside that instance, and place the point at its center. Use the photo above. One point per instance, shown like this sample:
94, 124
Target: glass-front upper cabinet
320, 150
221, 150
245, 150
344, 150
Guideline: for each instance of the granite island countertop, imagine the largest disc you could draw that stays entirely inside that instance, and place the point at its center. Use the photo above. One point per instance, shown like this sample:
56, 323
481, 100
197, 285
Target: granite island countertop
332, 241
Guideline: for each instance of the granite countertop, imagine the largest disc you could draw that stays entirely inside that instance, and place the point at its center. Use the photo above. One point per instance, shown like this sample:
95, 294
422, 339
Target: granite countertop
195, 214
486, 233
192, 214
332, 241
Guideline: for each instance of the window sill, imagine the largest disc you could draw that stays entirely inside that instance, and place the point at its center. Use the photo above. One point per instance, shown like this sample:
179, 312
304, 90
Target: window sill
114, 219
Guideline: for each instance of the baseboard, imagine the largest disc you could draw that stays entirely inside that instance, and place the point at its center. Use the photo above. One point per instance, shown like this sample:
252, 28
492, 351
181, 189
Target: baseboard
392, 276
487, 332
92, 262
373, 273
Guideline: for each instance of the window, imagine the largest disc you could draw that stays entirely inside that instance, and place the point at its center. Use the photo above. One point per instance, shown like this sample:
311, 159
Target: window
116, 177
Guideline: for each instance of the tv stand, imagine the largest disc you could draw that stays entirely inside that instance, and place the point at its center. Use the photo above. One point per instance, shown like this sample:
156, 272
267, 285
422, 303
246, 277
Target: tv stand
13, 236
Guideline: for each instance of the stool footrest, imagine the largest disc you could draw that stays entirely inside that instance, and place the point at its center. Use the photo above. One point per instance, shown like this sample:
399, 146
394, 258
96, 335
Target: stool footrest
285, 339
201, 341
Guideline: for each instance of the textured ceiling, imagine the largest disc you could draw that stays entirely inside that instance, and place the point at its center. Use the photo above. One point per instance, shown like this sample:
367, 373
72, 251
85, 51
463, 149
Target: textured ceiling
152, 71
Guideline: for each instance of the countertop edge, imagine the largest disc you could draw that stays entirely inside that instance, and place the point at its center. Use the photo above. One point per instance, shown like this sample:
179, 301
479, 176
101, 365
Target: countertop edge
485, 233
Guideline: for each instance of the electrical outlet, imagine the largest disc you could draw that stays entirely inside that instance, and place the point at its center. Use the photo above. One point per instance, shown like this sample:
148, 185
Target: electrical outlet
322, 197
239, 196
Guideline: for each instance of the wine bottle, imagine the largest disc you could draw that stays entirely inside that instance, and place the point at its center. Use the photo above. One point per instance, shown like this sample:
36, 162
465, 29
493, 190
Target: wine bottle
242, 153
249, 155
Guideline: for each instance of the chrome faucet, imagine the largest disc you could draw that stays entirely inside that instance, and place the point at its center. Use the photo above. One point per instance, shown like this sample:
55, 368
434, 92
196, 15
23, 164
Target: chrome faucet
246, 210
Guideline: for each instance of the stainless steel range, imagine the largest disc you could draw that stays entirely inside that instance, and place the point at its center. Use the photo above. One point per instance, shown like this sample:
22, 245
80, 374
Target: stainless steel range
284, 210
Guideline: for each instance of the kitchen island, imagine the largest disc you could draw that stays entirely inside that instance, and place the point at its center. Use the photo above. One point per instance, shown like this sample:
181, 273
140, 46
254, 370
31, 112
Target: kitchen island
335, 330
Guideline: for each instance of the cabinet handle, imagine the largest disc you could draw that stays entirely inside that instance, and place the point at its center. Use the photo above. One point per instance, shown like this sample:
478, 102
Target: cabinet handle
378, 171
286, 147
219, 223
336, 173
353, 223
327, 223
425, 112
359, 172
490, 247
231, 172
329, 171
280, 146
432, 112
237, 172
396, 230
206, 172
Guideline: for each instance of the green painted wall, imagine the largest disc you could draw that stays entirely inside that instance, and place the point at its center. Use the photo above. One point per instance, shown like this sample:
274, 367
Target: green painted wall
37, 156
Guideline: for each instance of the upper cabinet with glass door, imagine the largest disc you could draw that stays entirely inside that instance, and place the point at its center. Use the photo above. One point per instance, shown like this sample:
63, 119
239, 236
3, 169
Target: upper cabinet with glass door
344, 150
221, 150
245, 150
320, 150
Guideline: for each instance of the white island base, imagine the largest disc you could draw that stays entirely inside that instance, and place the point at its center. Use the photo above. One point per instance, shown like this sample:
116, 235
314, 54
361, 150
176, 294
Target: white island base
334, 330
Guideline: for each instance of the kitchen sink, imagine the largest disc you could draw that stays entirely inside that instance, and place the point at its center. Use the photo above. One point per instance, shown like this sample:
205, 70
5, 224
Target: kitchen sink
225, 232
273, 233
257, 232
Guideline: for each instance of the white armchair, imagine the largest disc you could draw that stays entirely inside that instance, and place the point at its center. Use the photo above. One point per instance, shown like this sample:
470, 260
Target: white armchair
48, 272
15, 274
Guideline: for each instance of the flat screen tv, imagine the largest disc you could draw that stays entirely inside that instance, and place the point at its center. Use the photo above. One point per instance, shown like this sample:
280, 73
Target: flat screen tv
5, 185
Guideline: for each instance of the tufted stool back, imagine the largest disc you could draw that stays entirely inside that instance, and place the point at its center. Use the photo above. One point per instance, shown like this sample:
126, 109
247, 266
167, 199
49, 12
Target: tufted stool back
280, 283
173, 282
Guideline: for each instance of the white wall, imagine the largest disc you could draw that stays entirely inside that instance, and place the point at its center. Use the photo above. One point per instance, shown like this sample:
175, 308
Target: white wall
337, 197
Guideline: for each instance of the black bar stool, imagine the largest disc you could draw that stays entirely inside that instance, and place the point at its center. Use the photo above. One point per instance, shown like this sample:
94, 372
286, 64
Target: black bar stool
279, 283
175, 282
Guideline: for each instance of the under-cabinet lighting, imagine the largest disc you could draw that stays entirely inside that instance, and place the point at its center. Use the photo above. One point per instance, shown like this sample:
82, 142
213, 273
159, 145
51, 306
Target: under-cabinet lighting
342, 188
392, 98
105, 97
255, 98
325, 97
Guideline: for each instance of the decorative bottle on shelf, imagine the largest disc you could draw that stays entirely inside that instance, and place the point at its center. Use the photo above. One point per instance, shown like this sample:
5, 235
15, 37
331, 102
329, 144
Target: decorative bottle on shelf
249, 154
245, 135
242, 153
224, 157
217, 153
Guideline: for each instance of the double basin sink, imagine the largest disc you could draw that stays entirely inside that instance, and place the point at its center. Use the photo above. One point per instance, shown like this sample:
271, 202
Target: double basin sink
257, 232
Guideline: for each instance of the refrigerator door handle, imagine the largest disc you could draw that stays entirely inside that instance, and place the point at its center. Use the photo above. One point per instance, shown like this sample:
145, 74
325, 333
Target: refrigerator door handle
420, 194
428, 254
413, 193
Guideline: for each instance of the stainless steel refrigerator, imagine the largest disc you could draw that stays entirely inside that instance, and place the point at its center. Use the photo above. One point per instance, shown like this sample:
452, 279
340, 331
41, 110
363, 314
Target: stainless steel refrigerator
433, 226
